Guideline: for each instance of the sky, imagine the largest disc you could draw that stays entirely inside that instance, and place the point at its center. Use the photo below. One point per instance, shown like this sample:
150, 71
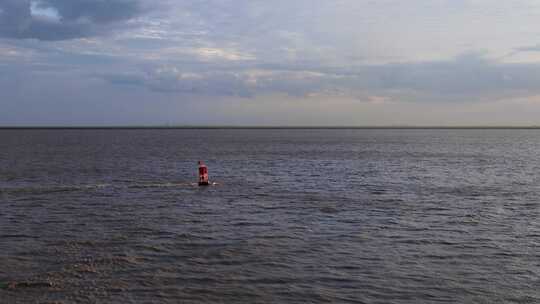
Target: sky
264, 63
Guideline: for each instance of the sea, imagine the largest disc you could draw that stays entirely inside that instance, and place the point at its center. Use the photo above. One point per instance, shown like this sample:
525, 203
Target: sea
293, 216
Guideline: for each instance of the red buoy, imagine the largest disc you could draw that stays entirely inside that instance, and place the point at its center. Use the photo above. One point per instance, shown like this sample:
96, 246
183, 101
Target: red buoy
203, 175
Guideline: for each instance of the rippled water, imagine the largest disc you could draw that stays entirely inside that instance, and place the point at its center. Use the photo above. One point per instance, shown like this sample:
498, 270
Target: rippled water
298, 216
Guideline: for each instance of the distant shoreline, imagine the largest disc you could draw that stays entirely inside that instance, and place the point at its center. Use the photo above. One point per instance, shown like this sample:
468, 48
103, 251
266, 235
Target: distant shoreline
269, 127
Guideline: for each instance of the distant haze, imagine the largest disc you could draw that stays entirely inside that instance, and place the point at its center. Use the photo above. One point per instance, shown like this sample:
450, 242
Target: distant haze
254, 62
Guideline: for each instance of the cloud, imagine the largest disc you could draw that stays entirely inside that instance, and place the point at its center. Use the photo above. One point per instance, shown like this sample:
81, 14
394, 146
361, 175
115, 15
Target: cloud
63, 19
202, 54
172, 80
535, 48
467, 78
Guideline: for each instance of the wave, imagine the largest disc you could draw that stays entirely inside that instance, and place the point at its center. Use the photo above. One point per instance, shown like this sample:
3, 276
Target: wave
90, 187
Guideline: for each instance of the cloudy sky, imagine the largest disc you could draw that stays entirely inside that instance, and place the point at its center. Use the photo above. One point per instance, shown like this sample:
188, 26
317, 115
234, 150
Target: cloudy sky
260, 62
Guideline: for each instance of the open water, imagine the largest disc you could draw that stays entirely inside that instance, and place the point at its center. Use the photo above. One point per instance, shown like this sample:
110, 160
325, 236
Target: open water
297, 216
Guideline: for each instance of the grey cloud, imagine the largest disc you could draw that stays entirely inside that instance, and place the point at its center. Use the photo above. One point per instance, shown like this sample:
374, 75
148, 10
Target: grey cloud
535, 48
123, 79
173, 81
469, 77
77, 18
216, 83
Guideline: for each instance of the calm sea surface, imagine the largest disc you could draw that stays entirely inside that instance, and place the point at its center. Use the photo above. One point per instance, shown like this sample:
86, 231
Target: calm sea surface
298, 216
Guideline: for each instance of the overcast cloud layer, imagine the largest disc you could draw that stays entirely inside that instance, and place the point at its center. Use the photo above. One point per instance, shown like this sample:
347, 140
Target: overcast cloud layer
298, 62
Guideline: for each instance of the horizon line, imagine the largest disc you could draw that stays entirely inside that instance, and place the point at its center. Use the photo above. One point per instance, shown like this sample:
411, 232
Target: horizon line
202, 127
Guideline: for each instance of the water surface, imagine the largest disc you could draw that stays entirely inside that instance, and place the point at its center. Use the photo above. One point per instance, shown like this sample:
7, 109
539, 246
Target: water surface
299, 216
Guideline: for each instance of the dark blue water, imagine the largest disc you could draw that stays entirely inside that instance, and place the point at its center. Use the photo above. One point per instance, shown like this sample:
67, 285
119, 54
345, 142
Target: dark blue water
298, 216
